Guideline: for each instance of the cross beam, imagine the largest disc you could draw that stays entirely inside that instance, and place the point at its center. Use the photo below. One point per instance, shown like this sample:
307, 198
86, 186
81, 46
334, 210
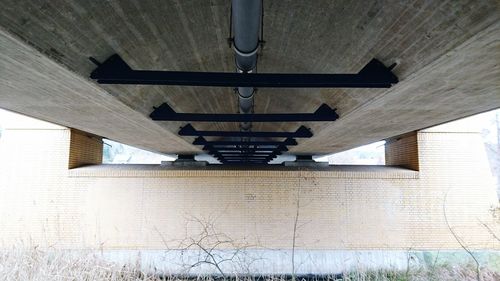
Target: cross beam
165, 113
203, 141
301, 132
115, 70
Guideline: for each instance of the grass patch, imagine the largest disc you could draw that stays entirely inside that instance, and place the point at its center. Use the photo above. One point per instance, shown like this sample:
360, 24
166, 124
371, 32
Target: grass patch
51, 265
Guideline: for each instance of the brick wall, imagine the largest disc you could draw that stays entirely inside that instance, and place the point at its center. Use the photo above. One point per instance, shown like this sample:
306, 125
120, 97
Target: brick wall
84, 149
152, 207
402, 151
34, 207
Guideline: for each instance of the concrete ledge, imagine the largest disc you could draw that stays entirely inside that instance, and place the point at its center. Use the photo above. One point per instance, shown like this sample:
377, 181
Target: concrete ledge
335, 171
256, 262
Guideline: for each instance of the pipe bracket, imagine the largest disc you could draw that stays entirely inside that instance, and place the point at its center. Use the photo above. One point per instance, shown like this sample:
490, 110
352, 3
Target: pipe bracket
245, 54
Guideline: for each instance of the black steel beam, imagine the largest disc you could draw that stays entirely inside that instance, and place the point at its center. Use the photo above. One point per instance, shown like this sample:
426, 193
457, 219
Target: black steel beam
263, 162
165, 113
245, 158
214, 152
302, 132
246, 149
203, 141
221, 156
238, 153
244, 162
272, 156
242, 147
116, 71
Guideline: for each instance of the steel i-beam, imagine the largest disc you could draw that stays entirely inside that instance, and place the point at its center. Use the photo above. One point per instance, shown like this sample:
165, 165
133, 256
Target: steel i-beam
301, 132
203, 141
165, 113
279, 148
116, 71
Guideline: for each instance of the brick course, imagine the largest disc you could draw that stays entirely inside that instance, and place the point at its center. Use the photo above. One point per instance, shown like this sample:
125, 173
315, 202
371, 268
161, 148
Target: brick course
152, 207
84, 149
403, 151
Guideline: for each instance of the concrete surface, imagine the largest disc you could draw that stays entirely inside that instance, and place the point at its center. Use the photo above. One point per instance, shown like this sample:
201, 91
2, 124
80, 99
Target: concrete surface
269, 261
448, 55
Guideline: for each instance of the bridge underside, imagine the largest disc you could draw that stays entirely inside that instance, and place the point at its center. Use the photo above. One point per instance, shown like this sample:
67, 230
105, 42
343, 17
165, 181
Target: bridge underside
447, 55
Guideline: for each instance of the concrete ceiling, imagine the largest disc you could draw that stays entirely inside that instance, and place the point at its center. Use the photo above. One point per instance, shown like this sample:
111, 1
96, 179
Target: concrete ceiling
448, 55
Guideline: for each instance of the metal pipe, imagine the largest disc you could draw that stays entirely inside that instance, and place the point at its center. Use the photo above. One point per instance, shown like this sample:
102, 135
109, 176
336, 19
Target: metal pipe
246, 20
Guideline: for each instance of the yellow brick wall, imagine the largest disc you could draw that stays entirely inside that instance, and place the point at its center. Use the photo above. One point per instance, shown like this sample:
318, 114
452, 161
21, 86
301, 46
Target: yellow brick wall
402, 151
150, 207
37, 203
84, 149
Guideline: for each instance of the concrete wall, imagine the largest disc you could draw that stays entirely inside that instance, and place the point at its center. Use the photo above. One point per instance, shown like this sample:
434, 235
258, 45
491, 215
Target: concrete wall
149, 207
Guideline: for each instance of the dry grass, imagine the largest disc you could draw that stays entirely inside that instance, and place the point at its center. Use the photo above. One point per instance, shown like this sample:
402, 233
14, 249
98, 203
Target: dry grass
35, 264
441, 273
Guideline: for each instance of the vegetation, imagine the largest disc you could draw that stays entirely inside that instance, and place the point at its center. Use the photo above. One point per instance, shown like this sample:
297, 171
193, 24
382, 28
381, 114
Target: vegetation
37, 265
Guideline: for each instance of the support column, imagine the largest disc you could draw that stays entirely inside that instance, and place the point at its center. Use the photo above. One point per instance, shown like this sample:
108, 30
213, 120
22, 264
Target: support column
84, 149
403, 151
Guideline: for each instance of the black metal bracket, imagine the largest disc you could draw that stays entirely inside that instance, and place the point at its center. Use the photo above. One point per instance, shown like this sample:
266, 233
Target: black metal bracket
244, 153
245, 163
239, 153
246, 157
203, 141
116, 71
301, 132
249, 149
165, 113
